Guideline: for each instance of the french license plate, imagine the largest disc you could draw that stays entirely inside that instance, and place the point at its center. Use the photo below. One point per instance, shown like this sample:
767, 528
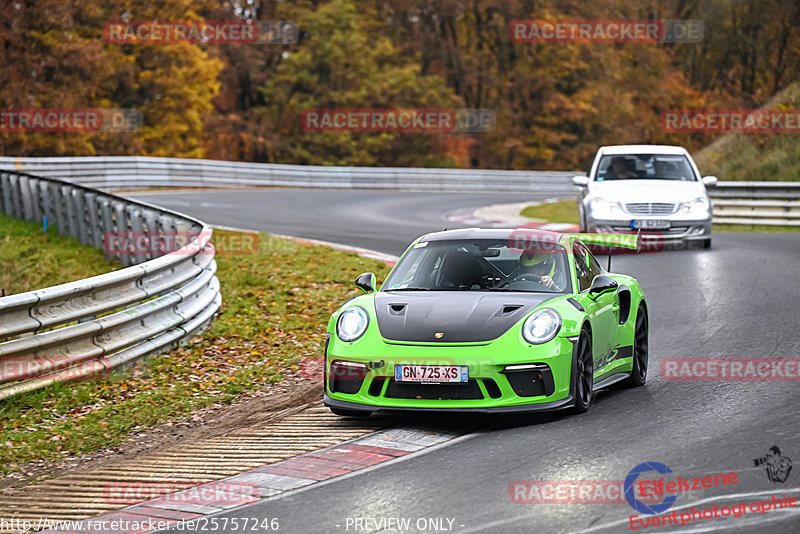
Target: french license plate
650, 224
434, 374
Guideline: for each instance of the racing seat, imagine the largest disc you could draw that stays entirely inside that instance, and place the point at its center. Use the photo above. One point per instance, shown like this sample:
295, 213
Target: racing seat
461, 270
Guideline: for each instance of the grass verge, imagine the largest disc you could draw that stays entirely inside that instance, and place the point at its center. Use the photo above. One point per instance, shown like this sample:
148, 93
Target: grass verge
276, 304
567, 212
31, 259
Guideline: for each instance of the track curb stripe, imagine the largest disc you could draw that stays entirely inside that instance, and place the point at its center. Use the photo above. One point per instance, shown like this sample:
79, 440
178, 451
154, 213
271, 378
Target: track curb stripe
271, 480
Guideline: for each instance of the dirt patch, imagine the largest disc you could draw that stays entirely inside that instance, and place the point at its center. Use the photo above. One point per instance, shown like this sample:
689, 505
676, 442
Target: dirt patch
273, 402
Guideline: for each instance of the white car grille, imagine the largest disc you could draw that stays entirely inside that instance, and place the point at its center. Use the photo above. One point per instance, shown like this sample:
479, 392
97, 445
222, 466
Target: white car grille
650, 208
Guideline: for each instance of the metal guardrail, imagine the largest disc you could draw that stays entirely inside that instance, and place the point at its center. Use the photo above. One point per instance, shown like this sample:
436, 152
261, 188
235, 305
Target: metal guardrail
87, 327
760, 203
122, 173
768, 203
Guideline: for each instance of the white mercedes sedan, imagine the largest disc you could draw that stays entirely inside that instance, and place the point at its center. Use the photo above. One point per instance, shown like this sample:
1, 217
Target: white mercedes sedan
653, 188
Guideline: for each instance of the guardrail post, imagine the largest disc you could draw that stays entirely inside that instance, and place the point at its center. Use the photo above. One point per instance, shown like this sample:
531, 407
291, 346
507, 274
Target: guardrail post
5, 193
151, 225
15, 205
106, 226
61, 206
25, 198
81, 217
36, 200
73, 215
134, 214
48, 209
94, 221
121, 226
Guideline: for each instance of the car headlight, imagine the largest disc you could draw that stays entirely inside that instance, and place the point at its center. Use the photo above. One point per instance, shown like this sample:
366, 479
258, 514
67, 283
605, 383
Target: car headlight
695, 206
602, 208
352, 323
541, 326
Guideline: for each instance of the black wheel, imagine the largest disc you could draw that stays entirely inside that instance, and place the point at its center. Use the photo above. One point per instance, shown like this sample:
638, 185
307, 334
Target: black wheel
639, 371
707, 243
349, 413
584, 376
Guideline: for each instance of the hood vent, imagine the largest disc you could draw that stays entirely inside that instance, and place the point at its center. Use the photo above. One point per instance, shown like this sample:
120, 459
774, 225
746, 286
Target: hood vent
508, 309
397, 309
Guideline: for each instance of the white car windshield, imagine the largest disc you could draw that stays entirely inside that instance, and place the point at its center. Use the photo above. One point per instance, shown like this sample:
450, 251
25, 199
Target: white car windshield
645, 166
481, 265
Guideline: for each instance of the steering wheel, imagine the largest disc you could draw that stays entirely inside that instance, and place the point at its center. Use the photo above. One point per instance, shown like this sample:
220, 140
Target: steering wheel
517, 276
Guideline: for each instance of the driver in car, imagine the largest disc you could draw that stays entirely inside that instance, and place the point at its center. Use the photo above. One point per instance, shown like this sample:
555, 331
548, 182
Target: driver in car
544, 266
619, 169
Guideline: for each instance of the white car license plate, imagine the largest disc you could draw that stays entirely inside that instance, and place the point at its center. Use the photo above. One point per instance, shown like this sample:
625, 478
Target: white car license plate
431, 373
650, 224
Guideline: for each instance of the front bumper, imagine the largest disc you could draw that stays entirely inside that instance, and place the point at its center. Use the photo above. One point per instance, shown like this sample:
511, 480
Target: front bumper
524, 408
680, 230
491, 387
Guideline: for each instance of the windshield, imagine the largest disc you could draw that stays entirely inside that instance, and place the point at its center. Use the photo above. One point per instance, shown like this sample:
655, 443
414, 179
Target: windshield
480, 265
645, 166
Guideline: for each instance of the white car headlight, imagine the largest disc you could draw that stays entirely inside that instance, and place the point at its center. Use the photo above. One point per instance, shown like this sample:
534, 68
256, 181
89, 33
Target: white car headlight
697, 205
604, 209
352, 323
541, 326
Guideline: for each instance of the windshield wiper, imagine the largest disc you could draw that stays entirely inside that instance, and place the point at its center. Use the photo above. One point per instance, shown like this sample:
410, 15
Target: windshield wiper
411, 289
510, 290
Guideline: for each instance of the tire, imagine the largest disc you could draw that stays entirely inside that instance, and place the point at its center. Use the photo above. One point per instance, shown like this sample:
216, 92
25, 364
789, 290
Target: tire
344, 412
584, 375
707, 243
640, 351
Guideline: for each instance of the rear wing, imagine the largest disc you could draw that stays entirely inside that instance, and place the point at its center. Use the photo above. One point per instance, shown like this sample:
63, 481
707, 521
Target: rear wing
631, 241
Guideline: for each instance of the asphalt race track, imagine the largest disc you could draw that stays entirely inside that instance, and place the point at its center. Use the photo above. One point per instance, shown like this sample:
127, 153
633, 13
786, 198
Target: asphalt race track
385, 221
739, 299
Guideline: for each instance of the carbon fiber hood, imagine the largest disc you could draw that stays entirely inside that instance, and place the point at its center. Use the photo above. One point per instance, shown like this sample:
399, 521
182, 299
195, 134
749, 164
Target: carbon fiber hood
459, 316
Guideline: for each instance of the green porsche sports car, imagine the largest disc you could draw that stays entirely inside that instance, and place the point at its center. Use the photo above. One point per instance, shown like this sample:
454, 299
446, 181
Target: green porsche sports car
488, 320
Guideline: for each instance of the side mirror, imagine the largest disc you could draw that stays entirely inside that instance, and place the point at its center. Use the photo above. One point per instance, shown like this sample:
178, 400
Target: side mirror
710, 181
580, 181
601, 284
366, 282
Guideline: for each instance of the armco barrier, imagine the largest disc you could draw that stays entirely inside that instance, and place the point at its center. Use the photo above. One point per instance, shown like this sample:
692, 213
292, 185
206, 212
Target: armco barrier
769, 203
133, 172
762, 203
88, 327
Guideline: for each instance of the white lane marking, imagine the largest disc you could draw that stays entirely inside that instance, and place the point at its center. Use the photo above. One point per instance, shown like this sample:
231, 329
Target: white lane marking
234, 229
373, 254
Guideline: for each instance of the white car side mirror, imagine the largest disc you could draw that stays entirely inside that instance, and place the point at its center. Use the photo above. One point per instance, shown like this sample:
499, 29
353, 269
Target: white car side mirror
581, 181
710, 180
